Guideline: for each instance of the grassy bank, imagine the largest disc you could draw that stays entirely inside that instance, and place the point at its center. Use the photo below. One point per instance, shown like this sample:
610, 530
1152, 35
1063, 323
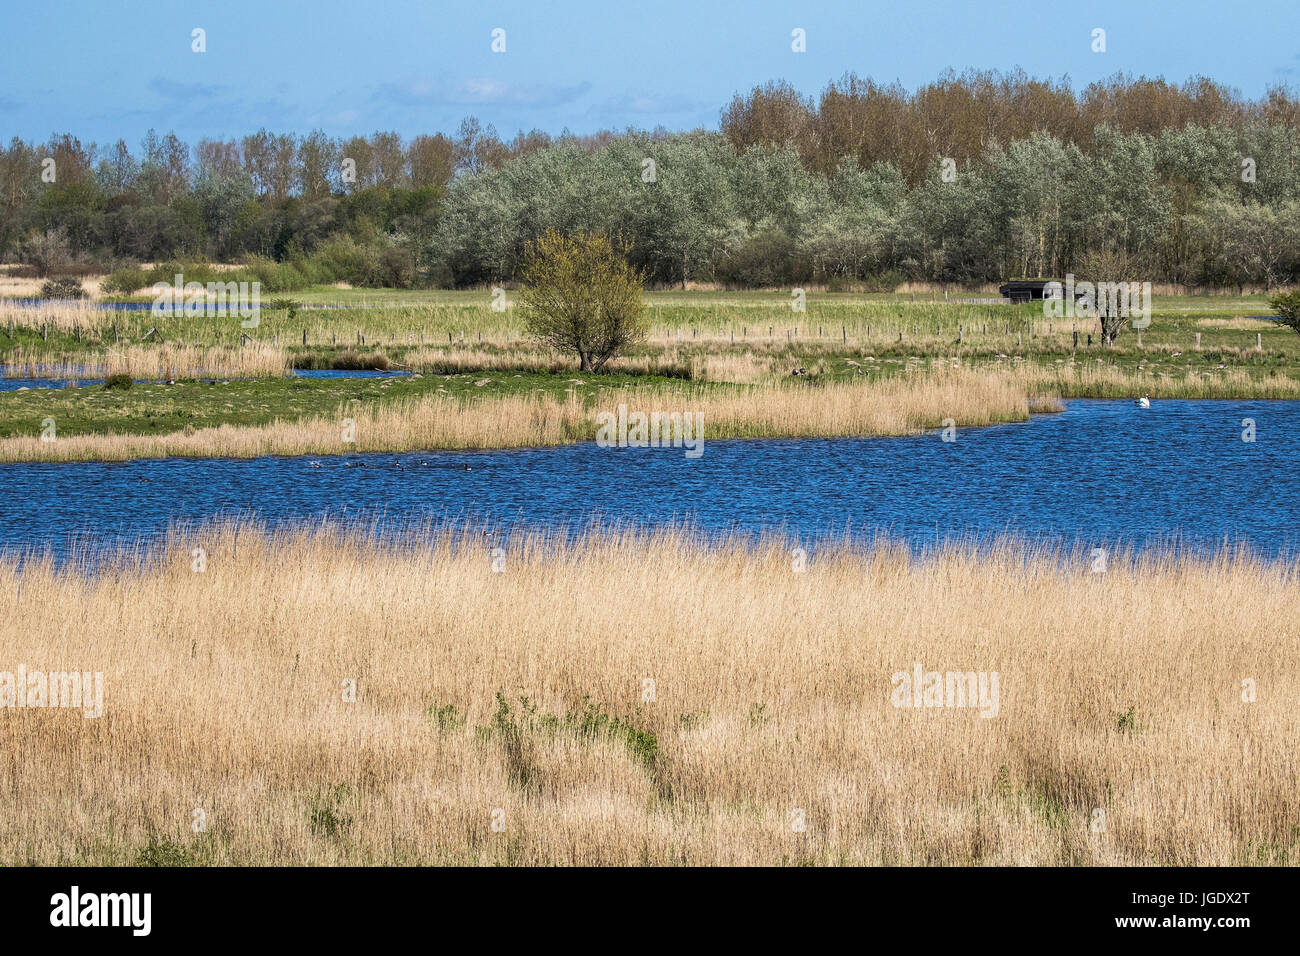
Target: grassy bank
154, 409
396, 414
742, 699
700, 344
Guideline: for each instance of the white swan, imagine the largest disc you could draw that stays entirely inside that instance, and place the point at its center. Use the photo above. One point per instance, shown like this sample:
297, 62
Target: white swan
1143, 402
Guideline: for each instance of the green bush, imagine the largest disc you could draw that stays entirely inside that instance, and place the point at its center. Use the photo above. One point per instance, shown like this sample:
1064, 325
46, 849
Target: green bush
396, 268
275, 276
767, 259
326, 814
161, 851
201, 272
65, 288
120, 381
124, 281
884, 281
345, 260
1287, 307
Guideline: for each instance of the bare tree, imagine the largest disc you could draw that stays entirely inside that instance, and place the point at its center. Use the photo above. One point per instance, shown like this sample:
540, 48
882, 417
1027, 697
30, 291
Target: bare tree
45, 251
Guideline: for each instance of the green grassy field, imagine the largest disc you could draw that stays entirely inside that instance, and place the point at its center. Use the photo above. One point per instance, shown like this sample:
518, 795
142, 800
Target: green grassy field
158, 408
398, 318
460, 346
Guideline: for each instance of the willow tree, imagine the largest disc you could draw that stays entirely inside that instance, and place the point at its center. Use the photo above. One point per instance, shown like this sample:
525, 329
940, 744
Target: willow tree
580, 295
1287, 307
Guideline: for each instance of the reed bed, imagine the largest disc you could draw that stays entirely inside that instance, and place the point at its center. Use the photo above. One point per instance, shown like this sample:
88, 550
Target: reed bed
58, 316
162, 362
897, 406
24, 287
1101, 381
631, 699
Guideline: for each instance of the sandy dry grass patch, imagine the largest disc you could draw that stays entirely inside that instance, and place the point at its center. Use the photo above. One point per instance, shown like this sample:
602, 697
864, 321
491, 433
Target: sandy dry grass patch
772, 702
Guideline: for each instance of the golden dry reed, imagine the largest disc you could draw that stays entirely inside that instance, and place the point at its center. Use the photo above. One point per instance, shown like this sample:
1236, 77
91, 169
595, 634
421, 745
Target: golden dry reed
889, 407
160, 362
1110, 382
314, 697
60, 316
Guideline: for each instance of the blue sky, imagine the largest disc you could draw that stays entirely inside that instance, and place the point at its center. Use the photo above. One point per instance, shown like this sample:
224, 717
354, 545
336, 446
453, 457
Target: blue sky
104, 70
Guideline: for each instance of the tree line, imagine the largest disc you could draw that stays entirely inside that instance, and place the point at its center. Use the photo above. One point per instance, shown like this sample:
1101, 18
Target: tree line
973, 178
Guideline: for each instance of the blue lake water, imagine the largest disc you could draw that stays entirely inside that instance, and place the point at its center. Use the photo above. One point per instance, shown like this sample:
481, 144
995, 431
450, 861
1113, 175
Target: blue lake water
1101, 472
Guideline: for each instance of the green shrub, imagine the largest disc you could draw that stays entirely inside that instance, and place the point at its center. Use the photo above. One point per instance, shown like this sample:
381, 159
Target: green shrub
161, 851
124, 281
396, 268
767, 259
594, 721
275, 276
1287, 307
325, 815
884, 281
1126, 722
288, 306
345, 260
64, 288
448, 718
120, 381
201, 272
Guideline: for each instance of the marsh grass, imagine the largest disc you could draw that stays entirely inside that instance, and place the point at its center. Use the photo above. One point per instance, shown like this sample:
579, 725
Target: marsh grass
160, 362
1100, 381
794, 374
898, 406
523, 692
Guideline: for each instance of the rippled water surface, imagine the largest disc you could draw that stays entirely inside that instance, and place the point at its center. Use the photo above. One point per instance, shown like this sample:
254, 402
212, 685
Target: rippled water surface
1099, 472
